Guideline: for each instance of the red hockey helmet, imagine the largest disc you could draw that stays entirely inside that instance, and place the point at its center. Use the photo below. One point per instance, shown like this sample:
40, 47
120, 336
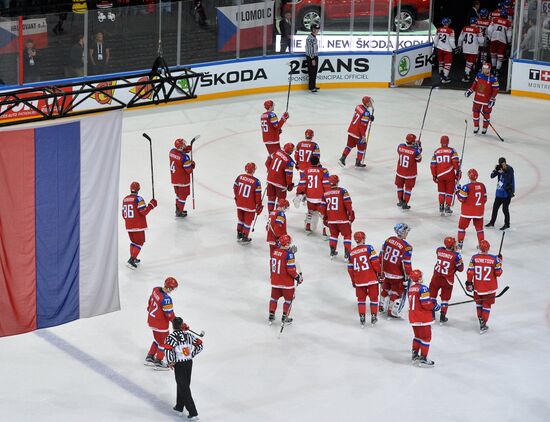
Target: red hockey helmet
179, 143
444, 141
285, 240
449, 242
472, 174
289, 148
170, 283
309, 133
250, 168
416, 276
283, 203
410, 138
366, 100
268, 104
135, 187
359, 237
484, 246
333, 180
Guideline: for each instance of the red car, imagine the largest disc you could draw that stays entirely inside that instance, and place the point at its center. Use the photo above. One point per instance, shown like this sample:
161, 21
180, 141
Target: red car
309, 11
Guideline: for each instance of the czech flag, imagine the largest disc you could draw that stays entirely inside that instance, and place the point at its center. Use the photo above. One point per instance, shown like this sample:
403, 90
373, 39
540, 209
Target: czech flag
58, 222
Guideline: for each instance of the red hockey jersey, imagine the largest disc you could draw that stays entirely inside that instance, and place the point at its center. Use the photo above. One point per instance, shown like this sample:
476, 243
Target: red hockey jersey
360, 122
271, 127
160, 310
283, 269
363, 266
336, 205
303, 153
134, 212
473, 197
485, 88
444, 161
408, 156
247, 191
280, 167
483, 272
420, 305
313, 183
181, 167
276, 226
447, 263
396, 254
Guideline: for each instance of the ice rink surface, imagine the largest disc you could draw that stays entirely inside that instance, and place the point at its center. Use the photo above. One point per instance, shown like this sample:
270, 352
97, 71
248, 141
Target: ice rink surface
324, 367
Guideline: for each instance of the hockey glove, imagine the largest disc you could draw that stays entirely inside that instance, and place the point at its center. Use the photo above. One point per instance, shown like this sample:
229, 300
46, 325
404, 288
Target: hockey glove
197, 342
352, 217
290, 187
491, 103
436, 307
468, 93
293, 249
259, 209
435, 179
500, 256
285, 116
469, 286
193, 165
299, 278
184, 327
153, 203
372, 117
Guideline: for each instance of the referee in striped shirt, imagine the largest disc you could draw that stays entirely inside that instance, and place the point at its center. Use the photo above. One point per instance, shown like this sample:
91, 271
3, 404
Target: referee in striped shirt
312, 57
181, 348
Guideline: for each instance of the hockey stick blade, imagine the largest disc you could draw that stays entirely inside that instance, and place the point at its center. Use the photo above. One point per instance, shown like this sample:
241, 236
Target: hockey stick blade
146, 136
470, 301
194, 139
201, 334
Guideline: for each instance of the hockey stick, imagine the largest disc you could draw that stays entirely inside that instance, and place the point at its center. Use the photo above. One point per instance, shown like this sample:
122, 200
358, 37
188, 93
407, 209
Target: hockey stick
367, 139
193, 172
405, 291
491, 126
470, 301
463, 288
201, 334
292, 301
151, 156
461, 159
256, 217
426, 110
501, 242
288, 93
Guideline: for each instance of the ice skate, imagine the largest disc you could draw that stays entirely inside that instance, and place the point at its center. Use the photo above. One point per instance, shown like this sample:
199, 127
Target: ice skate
448, 210
286, 320
400, 203
333, 252
239, 236
405, 206
476, 130
373, 319
459, 246
342, 161
160, 365
359, 164
441, 210
362, 320
149, 360
442, 319
484, 131
132, 264
424, 362
465, 78
483, 327
246, 240
415, 357
178, 412
181, 214
446, 80
271, 318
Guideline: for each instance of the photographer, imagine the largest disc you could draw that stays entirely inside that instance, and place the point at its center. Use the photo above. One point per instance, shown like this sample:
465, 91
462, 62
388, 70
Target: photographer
505, 192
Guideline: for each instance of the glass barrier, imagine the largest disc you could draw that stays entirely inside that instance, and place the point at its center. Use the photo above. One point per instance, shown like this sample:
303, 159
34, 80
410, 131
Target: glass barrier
112, 39
532, 30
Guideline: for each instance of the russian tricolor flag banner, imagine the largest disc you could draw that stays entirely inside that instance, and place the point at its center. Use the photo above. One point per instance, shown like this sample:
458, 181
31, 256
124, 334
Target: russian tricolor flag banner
58, 222
251, 18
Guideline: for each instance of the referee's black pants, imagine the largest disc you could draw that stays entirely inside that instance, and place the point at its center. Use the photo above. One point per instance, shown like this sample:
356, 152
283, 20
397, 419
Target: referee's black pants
184, 399
312, 71
505, 202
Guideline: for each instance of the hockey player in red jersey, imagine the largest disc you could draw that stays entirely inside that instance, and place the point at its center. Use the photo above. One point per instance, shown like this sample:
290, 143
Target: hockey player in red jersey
473, 196
159, 314
483, 23
314, 181
362, 117
283, 276
469, 41
396, 256
483, 271
445, 172
448, 262
364, 271
499, 34
134, 212
338, 214
421, 311
486, 88
181, 168
409, 154
272, 127
305, 150
280, 168
276, 224
445, 46
247, 191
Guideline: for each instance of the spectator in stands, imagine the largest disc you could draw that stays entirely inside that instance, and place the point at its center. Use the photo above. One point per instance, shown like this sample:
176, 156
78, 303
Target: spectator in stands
31, 63
473, 12
75, 65
285, 28
527, 46
99, 55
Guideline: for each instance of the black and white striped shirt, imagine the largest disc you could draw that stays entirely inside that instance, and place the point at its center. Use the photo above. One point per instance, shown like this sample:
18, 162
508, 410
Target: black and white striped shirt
312, 46
179, 347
